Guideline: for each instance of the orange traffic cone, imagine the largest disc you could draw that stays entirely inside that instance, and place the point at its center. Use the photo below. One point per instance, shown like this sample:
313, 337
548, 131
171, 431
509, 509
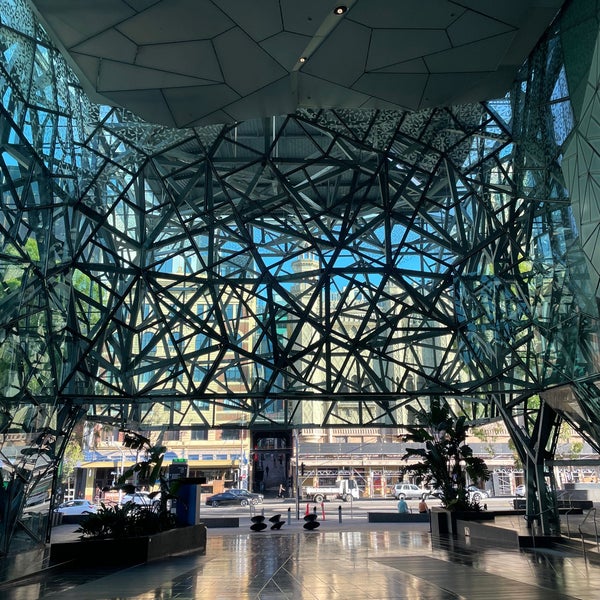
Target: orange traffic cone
307, 510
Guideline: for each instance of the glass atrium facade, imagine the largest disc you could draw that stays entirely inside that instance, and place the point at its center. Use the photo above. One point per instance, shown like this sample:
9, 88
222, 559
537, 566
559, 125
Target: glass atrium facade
321, 269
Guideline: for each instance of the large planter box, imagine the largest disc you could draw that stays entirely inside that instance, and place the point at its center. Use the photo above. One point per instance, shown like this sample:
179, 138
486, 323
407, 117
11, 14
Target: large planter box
182, 540
445, 522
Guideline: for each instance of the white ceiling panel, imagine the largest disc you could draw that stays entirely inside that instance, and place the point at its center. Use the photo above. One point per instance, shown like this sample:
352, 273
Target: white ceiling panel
260, 19
402, 89
341, 68
385, 50
472, 26
176, 20
316, 93
188, 105
196, 59
120, 76
481, 56
425, 14
257, 103
73, 22
305, 17
286, 48
108, 44
245, 65
234, 57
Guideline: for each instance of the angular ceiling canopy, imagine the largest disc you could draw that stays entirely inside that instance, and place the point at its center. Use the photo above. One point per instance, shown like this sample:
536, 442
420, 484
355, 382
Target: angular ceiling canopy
184, 63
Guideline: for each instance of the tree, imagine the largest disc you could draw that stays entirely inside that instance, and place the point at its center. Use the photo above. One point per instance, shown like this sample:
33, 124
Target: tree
445, 458
72, 457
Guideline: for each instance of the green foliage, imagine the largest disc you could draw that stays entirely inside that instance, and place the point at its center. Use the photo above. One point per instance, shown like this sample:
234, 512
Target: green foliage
150, 472
128, 520
72, 456
445, 460
576, 448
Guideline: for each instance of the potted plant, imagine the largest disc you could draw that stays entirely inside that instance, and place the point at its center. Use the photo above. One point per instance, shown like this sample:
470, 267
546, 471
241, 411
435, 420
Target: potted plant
445, 460
136, 532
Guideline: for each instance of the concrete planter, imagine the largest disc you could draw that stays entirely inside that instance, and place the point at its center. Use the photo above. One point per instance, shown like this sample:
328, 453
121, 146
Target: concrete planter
175, 542
445, 522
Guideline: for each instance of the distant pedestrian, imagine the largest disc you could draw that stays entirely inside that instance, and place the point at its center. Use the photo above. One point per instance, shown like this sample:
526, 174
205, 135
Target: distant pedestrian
281, 493
423, 508
402, 506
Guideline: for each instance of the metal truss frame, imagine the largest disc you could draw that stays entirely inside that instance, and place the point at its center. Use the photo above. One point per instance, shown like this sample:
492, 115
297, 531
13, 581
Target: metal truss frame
326, 268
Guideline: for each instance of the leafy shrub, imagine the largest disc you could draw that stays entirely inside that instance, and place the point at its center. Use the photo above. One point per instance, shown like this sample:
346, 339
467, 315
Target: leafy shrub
128, 520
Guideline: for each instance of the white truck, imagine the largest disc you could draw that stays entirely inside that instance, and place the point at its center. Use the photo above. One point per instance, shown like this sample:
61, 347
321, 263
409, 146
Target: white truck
346, 489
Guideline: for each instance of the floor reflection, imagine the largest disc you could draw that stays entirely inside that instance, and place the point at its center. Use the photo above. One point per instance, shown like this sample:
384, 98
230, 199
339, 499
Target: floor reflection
395, 563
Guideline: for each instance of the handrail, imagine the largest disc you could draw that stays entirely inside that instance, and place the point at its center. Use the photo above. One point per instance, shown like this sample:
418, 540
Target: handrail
536, 518
571, 508
581, 533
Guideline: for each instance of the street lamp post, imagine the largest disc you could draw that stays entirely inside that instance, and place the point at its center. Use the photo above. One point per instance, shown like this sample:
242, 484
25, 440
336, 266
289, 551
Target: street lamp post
120, 470
297, 475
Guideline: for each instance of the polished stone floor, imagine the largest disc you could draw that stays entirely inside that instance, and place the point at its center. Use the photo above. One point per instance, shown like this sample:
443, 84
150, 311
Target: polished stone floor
377, 561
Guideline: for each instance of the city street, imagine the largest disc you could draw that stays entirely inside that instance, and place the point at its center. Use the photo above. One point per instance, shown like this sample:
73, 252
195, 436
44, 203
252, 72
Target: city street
356, 509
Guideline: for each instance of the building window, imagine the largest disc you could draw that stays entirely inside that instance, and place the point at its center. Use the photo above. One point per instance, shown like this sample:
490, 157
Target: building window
233, 374
171, 436
230, 312
230, 434
199, 434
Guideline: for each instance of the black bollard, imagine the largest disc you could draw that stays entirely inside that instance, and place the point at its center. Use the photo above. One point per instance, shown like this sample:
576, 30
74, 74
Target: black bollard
289, 516
340, 513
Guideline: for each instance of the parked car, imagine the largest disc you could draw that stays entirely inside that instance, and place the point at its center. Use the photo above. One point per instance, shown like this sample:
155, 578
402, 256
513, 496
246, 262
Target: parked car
252, 497
520, 491
76, 507
434, 493
476, 494
141, 499
228, 498
408, 491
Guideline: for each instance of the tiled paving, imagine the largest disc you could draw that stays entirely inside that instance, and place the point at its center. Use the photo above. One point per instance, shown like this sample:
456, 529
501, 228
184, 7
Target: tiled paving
377, 561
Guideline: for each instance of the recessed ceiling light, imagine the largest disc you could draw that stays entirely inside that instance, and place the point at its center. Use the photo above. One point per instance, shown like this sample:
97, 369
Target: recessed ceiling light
340, 10
303, 59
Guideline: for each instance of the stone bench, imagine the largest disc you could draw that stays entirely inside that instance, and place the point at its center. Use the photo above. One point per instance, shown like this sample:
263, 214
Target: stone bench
389, 517
217, 522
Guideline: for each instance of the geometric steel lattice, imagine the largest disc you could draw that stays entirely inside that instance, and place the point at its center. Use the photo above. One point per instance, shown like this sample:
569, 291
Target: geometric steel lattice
361, 259
325, 268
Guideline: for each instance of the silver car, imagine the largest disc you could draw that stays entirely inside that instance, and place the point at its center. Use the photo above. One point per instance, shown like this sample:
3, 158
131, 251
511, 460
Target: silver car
408, 491
141, 499
76, 507
476, 494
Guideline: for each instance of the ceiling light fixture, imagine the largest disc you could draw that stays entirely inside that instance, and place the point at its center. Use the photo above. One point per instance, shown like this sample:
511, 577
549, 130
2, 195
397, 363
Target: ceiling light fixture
303, 59
340, 10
